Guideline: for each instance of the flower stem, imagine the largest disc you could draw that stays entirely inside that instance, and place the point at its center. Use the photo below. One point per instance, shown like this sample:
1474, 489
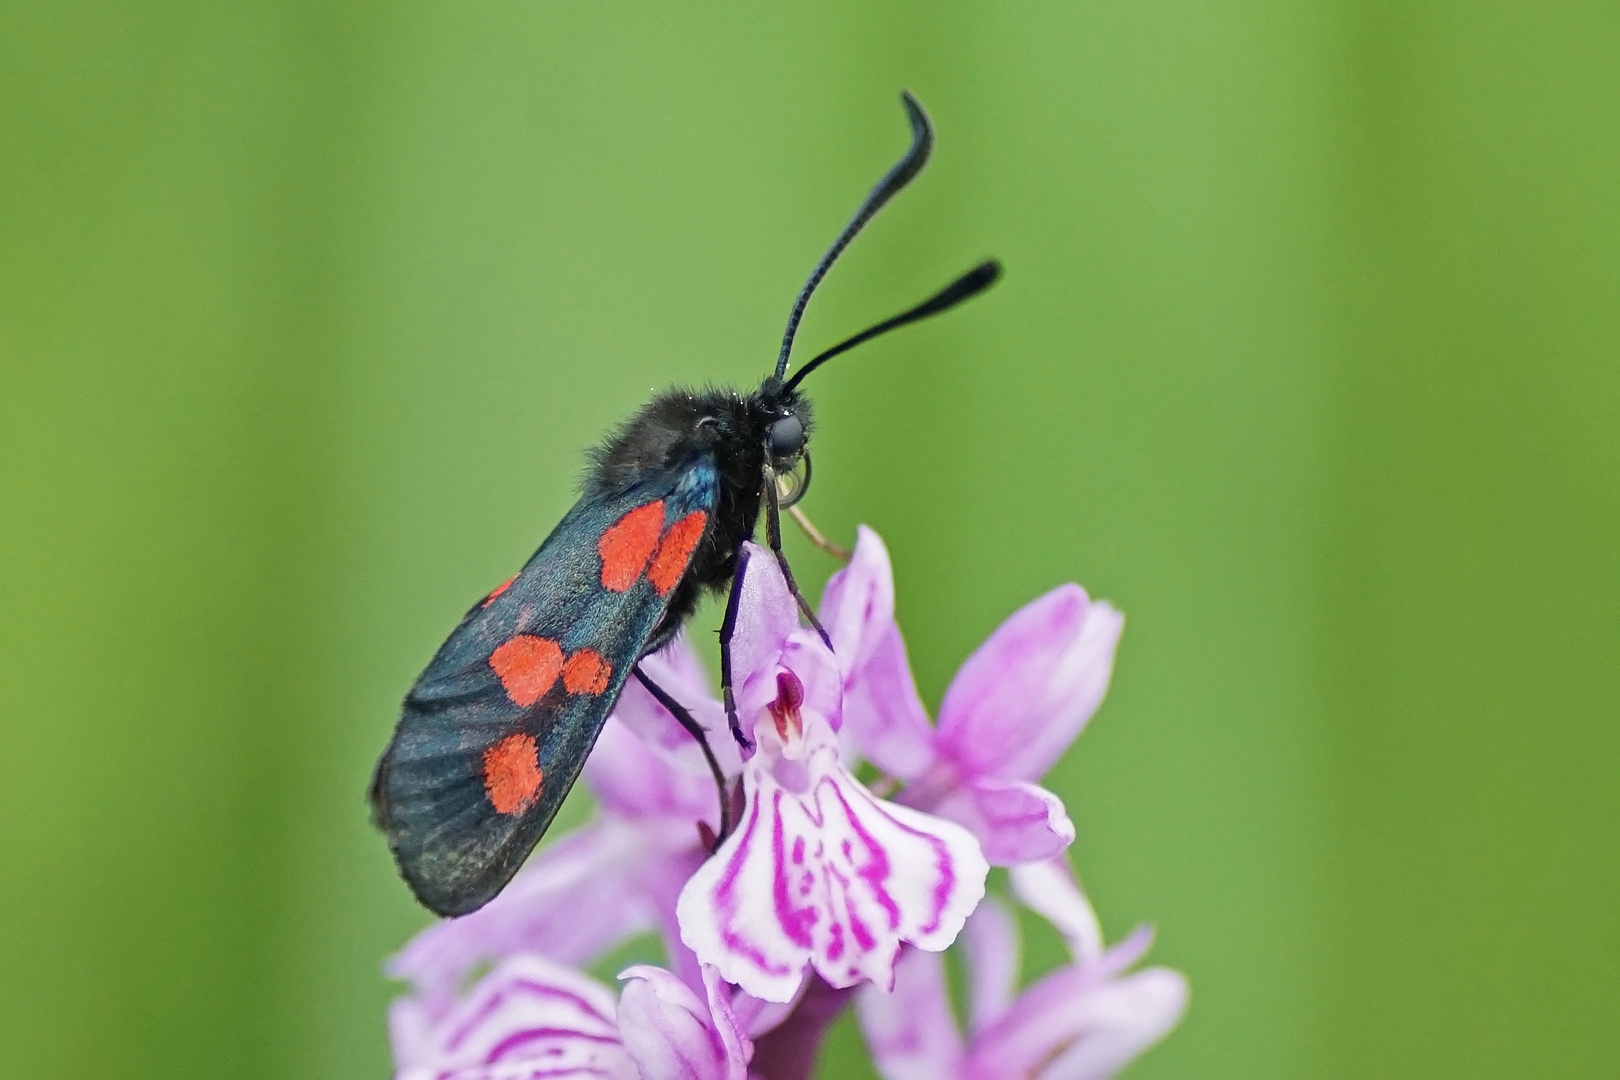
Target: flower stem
789, 1051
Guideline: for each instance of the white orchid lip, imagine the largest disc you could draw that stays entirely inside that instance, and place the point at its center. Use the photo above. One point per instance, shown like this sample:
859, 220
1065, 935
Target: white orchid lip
821, 874
835, 879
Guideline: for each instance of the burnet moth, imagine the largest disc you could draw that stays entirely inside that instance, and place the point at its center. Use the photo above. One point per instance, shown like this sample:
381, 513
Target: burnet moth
496, 730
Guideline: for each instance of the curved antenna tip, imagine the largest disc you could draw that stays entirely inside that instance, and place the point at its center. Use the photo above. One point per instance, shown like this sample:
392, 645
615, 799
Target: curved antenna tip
969, 285
919, 115
983, 276
901, 174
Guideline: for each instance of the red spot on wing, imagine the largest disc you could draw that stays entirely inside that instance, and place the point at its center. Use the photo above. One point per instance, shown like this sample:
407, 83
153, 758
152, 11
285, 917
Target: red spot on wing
586, 672
512, 776
628, 544
502, 587
527, 666
676, 552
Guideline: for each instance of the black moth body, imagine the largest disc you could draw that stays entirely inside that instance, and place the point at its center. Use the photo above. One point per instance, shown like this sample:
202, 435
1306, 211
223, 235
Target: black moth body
496, 729
742, 435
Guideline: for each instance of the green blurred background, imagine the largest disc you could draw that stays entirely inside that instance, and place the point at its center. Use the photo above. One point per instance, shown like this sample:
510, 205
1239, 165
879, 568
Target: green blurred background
1308, 356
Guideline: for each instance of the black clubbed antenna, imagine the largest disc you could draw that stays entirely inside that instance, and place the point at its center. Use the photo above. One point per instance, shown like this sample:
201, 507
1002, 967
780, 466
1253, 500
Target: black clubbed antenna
922, 144
969, 285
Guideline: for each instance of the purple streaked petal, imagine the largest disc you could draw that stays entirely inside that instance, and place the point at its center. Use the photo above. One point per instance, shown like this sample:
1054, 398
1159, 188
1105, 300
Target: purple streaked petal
991, 942
823, 873
1026, 693
1050, 890
1014, 821
526, 1070
911, 1032
857, 607
667, 1030
885, 715
573, 901
529, 1011
1071, 1026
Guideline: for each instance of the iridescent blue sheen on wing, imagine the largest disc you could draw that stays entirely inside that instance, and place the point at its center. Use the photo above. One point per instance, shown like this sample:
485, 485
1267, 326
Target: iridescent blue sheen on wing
496, 729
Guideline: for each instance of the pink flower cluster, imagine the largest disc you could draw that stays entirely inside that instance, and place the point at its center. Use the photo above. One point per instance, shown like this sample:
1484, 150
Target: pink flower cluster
825, 895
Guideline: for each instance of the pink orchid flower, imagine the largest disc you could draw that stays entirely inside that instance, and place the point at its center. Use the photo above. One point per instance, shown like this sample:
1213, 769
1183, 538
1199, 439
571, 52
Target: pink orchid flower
824, 893
534, 1018
1017, 703
820, 873
1085, 1021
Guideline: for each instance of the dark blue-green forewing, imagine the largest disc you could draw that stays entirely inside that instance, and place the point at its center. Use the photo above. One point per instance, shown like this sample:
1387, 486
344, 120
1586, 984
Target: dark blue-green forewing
495, 731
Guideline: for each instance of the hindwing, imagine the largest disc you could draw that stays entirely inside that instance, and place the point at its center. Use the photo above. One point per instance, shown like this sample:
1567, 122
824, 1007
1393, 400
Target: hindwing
495, 731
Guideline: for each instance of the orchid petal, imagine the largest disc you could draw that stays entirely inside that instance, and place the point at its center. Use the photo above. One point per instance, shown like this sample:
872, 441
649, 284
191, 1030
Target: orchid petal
1116, 958
1123, 1020
1071, 1027
1050, 890
911, 1032
769, 642
756, 1016
528, 1010
410, 1032
667, 1030
573, 901
734, 1042
826, 874
1026, 693
1014, 821
677, 669
806, 657
661, 881
766, 613
884, 713
991, 940
633, 778
857, 607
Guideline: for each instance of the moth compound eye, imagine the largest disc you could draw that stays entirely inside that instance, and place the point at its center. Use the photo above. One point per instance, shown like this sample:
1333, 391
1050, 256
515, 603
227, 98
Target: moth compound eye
786, 437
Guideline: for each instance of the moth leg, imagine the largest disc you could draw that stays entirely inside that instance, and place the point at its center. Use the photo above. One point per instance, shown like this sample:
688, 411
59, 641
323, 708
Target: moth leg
694, 729
728, 627
816, 536
773, 532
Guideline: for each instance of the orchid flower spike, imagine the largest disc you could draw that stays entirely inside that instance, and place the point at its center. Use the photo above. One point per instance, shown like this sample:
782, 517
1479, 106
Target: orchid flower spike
824, 895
